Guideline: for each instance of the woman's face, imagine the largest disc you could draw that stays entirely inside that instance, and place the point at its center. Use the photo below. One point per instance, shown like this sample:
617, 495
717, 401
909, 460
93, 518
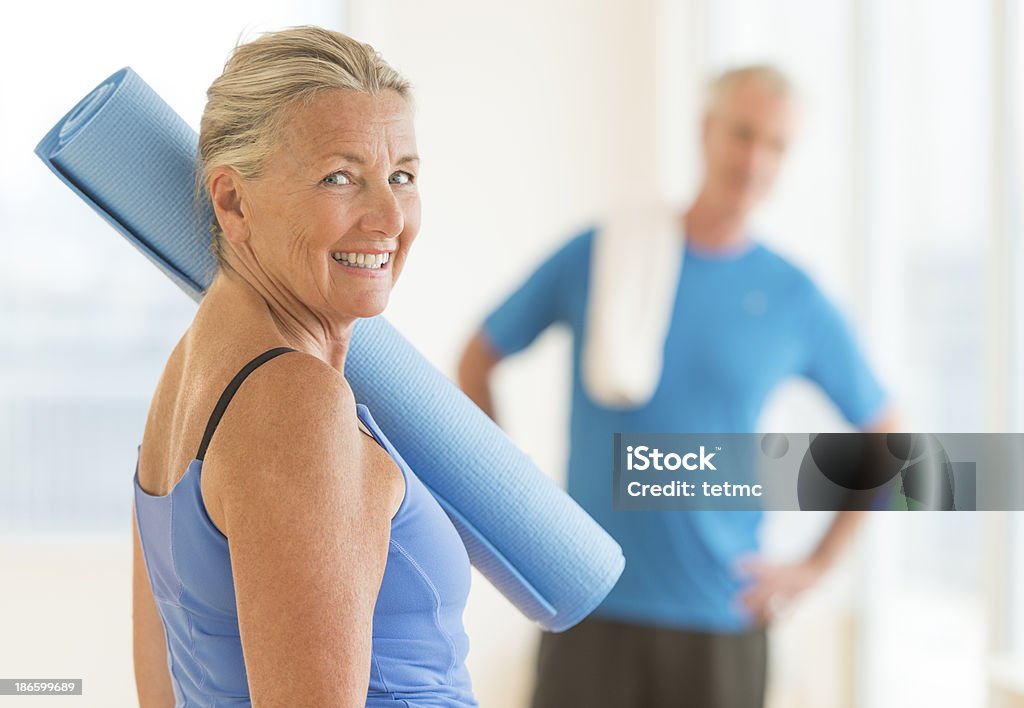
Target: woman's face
340, 187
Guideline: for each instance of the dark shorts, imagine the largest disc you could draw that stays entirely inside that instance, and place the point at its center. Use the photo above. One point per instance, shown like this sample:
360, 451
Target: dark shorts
606, 664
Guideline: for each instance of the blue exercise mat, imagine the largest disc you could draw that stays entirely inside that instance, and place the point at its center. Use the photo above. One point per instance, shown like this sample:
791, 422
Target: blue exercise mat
132, 159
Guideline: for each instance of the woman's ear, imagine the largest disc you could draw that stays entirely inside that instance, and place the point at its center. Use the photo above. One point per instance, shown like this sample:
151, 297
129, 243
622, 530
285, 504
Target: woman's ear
226, 197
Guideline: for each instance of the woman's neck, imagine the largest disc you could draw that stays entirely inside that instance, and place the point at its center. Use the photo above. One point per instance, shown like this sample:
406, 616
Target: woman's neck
251, 307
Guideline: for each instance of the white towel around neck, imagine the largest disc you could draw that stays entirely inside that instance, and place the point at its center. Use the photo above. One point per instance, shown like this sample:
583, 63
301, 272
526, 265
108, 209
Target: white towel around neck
635, 265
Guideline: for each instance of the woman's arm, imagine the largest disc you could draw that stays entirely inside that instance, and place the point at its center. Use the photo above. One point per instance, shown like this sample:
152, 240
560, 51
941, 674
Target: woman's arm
152, 676
308, 529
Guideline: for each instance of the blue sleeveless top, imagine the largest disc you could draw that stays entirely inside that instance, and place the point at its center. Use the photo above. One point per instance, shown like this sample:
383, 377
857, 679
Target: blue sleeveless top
419, 645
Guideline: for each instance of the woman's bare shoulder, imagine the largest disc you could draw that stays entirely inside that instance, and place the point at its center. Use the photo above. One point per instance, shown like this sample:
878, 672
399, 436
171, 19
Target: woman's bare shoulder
306, 519
290, 426
299, 383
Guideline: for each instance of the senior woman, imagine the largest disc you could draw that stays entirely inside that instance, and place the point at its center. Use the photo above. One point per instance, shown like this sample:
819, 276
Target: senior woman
285, 554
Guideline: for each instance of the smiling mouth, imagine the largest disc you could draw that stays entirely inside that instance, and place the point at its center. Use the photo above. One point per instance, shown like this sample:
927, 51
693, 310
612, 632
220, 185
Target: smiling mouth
367, 261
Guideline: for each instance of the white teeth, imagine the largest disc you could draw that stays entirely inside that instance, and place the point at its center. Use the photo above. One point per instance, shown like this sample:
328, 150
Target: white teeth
373, 261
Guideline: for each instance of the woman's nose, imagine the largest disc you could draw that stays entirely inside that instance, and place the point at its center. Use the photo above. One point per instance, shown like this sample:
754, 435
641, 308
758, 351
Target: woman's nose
383, 213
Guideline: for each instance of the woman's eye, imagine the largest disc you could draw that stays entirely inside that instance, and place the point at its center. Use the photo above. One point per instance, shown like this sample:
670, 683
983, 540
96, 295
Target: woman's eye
337, 178
401, 178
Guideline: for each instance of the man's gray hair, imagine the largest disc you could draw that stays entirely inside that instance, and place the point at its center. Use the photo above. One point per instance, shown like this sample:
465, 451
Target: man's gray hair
769, 76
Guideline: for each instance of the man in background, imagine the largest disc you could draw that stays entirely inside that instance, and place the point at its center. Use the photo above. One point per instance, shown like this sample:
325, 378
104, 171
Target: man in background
686, 623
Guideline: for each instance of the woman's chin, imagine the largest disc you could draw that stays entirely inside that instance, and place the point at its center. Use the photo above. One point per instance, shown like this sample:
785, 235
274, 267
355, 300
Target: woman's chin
369, 307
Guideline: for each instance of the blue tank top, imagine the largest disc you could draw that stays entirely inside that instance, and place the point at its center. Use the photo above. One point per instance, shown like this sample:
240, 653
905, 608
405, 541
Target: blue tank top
419, 645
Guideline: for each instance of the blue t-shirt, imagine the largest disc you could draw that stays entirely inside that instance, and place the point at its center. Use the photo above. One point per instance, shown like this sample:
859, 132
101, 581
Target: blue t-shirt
742, 322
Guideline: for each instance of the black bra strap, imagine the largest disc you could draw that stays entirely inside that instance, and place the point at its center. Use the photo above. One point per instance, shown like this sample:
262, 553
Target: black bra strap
225, 397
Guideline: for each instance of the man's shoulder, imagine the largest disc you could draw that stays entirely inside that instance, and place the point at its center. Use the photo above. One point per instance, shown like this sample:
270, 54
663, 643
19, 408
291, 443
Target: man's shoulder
581, 240
567, 254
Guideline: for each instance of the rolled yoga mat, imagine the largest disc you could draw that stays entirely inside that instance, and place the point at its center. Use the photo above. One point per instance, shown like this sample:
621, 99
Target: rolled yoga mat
132, 159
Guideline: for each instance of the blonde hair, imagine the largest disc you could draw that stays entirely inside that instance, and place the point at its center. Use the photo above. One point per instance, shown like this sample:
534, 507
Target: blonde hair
262, 79
769, 76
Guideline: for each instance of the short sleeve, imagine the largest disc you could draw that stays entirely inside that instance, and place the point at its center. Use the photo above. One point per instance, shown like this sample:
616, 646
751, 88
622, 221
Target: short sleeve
541, 300
836, 363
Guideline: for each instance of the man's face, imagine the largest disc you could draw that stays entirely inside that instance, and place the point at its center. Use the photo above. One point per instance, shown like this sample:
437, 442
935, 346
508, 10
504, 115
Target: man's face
746, 133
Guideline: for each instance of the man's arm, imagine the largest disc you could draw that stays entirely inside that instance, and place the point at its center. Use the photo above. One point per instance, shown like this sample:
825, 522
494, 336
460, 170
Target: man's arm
845, 523
776, 585
537, 303
474, 372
